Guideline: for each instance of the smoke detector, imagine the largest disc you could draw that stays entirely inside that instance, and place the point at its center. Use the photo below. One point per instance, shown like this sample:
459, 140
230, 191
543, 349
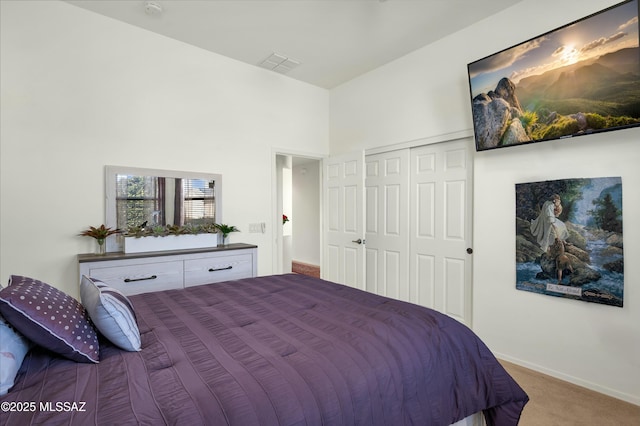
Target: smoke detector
152, 8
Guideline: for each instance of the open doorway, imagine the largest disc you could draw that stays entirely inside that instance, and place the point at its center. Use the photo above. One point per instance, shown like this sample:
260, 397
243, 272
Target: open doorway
298, 242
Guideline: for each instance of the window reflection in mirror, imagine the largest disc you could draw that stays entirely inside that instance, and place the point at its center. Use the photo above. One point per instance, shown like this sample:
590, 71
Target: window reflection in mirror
160, 201
152, 197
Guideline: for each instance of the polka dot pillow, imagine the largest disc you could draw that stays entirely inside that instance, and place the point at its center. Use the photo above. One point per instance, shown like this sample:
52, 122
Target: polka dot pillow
49, 318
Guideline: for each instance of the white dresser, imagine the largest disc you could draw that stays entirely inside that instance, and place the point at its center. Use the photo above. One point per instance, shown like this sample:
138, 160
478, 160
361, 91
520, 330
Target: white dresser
136, 273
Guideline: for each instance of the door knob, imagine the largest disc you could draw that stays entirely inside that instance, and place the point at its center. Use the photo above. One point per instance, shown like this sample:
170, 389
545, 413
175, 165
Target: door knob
358, 241
469, 250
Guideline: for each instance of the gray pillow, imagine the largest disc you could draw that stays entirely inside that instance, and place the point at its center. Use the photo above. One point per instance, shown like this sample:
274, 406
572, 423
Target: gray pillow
49, 318
111, 312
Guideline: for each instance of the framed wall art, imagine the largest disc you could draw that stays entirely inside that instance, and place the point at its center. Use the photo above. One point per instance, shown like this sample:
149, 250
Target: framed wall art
569, 239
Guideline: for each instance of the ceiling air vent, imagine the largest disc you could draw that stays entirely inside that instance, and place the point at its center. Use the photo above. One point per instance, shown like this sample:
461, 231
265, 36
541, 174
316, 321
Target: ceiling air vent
279, 63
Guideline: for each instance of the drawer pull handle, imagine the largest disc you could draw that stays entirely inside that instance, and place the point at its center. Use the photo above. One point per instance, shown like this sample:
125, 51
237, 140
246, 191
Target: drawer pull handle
220, 269
130, 280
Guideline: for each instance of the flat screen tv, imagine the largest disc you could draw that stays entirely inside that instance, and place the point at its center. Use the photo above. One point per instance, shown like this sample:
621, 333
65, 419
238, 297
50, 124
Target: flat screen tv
579, 79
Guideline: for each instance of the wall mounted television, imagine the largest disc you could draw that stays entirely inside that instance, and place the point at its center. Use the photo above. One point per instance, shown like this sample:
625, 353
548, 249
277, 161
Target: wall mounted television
579, 79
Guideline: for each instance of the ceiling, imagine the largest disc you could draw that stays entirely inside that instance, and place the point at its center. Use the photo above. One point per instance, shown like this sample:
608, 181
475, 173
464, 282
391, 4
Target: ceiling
333, 40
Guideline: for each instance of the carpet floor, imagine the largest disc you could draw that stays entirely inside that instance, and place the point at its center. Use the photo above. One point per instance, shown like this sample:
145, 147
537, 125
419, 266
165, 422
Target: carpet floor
554, 402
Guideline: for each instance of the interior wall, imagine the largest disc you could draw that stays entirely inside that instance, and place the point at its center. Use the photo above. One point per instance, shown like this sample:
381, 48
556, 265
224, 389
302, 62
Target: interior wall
81, 91
561, 337
425, 95
305, 219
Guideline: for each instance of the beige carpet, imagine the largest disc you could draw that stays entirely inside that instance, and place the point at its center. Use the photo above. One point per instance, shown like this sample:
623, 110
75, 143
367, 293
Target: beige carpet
553, 402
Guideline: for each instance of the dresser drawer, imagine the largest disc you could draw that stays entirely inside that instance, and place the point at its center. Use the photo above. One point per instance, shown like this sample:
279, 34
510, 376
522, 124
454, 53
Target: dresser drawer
134, 273
141, 278
218, 268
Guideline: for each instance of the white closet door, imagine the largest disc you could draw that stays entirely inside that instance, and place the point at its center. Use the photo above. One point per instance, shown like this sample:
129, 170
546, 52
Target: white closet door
440, 267
387, 224
343, 223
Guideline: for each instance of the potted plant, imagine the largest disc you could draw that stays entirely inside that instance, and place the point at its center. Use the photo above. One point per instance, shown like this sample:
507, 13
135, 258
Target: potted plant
100, 234
169, 237
225, 230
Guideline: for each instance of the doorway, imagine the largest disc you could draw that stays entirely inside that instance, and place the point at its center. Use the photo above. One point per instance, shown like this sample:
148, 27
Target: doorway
298, 215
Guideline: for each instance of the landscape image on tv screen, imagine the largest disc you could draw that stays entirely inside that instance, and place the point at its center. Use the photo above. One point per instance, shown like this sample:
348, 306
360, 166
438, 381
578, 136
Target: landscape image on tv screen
579, 79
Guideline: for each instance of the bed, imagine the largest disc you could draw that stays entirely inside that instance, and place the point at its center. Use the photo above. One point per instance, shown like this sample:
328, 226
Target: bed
274, 350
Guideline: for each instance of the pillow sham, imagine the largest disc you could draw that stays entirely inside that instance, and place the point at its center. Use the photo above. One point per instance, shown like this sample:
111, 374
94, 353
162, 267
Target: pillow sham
13, 348
49, 318
111, 312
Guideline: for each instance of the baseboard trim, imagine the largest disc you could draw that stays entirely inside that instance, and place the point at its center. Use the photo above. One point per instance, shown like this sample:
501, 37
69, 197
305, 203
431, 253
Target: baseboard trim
632, 399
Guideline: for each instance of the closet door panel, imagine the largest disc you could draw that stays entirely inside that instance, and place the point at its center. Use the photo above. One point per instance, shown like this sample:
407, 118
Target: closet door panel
423, 280
418, 203
387, 192
441, 213
425, 218
343, 196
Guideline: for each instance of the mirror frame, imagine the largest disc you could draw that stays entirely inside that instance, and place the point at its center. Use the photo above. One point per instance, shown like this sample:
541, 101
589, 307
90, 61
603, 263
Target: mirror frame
115, 243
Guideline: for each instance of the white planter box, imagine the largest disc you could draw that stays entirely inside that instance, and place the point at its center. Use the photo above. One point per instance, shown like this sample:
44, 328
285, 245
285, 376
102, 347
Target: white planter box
170, 242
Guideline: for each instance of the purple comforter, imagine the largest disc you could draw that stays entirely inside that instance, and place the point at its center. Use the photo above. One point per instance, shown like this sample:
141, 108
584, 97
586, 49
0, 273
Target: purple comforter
283, 349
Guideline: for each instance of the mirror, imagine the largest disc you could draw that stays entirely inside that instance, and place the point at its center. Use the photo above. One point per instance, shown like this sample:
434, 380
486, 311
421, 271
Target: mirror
137, 197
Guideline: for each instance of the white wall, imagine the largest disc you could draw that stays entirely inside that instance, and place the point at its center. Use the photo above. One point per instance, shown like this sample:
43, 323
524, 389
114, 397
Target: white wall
425, 96
306, 212
81, 91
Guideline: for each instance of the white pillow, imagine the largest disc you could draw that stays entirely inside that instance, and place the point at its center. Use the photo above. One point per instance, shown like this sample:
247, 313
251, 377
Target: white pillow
111, 312
13, 348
